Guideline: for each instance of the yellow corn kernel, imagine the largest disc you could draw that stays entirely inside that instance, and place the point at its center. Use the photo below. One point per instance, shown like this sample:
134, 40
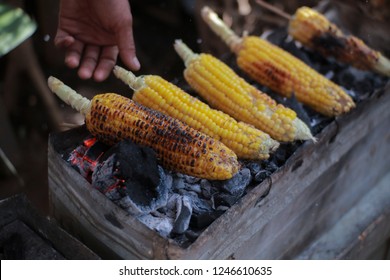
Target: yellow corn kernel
157, 93
281, 71
223, 89
316, 32
111, 118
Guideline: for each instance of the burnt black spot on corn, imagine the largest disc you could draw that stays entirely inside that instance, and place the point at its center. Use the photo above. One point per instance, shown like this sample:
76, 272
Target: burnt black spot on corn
282, 72
316, 32
170, 138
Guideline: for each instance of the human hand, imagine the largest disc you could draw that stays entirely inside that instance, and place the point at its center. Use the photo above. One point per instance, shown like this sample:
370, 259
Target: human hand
93, 33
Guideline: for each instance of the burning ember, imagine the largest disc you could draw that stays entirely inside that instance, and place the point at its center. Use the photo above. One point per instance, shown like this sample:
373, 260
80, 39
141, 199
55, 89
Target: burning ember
178, 206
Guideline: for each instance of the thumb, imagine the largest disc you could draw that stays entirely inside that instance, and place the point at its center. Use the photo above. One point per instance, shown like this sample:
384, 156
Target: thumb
126, 47
63, 39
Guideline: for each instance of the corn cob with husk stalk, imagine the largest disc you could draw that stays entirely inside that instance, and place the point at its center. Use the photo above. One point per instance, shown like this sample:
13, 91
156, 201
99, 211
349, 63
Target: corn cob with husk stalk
280, 71
156, 93
223, 89
316, 32
111, 118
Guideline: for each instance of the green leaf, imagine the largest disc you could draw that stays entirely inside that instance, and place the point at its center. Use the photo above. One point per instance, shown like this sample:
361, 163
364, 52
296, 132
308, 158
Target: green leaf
15, 27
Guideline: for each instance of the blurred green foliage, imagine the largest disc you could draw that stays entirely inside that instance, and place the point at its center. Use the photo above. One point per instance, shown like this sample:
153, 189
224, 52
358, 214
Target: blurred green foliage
15, 27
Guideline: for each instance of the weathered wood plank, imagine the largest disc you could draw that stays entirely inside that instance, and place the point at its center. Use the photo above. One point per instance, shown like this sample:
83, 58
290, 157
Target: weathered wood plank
358, 233
347, 181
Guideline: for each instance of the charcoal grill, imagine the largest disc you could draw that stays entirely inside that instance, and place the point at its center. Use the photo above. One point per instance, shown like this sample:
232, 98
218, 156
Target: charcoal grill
292, 214
324, 200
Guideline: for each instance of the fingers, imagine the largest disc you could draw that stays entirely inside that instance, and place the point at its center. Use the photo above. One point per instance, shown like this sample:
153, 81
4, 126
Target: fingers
73, 48
73, 54
89, 61
63, 40
93, 60
107, 61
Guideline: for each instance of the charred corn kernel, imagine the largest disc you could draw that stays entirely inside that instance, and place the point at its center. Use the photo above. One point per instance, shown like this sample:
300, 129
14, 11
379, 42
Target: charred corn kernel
281, 71
316, 32
156, 93
223, 89
111, 118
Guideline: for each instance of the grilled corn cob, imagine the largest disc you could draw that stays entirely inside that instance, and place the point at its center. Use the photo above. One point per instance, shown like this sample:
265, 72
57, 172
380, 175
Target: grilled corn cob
315, 31
281, 71
111, 118
156, 93
225, 90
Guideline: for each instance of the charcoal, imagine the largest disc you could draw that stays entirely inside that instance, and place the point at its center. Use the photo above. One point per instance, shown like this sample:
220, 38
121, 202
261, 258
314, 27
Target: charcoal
279, 157
232, 189
237, 184
196, 188
136, 162
364, 86
202, 211
200, 206
192, 235
203, 220
207, 189
148, 199
225, 199
84, 159
76, 161
189, 179
182, 185
181, 239
183, 217
169, 209
379, 81
168, 180
253, 167
96, 151
162, 225
329, 75
298, 107
345, 78
270, 166
102, 177
262, 175
178, 183
140, 185
193, 188
292, 48
277, 36
318, 123
186, 192
222, 208
172, 201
